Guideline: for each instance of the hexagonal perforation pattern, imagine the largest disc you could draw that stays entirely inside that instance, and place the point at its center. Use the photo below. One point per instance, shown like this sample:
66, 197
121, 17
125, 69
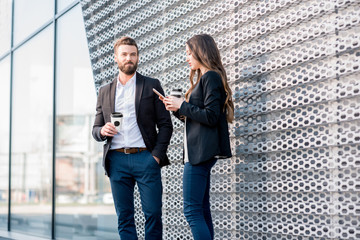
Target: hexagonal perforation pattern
293, 67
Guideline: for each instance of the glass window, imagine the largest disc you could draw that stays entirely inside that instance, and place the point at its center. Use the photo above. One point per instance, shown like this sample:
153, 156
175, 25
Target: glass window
5, 26
4, 139
32, 135
29, 16
62, 4
84, 205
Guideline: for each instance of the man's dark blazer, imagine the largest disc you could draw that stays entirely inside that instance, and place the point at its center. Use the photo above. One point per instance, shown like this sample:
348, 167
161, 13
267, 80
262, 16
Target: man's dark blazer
150, 114
207, 129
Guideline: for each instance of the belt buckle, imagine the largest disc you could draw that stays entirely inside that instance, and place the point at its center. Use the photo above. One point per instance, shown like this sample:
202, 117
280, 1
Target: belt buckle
125, 150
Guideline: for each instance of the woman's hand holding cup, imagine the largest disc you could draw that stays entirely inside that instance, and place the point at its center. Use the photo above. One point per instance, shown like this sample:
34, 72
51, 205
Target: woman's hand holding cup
174, 101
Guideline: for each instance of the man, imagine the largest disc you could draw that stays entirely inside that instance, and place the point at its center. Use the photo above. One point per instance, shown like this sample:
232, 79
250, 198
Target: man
135, 153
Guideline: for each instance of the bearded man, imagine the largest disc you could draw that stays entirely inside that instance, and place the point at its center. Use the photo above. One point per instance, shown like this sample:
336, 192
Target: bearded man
136, 152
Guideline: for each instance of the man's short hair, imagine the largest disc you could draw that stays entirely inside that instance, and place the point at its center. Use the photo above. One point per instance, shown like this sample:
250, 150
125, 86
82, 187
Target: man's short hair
125, 41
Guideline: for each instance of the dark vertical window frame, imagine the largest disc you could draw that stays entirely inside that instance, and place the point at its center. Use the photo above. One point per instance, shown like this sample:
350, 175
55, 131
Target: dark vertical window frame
10, 113
53, 202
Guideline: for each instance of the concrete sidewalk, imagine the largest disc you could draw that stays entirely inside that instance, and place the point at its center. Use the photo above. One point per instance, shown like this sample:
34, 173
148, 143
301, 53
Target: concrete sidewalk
5, 235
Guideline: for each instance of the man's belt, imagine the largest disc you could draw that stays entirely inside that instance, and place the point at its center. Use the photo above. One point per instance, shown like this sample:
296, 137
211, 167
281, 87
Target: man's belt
130, 150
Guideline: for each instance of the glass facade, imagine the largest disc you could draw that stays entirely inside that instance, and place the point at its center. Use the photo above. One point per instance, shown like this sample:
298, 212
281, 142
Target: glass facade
62, 4
4, 140
30, 16
32, 134
82, 191
5, 26
83, 203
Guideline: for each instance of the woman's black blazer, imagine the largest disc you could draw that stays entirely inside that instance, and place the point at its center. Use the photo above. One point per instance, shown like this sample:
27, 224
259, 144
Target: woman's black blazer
206, 125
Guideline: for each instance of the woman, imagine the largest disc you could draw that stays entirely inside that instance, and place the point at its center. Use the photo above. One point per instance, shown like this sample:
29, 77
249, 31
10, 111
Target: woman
206, 110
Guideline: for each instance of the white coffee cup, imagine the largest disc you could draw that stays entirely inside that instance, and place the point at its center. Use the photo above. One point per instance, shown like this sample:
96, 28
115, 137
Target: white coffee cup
176, 92
116, 119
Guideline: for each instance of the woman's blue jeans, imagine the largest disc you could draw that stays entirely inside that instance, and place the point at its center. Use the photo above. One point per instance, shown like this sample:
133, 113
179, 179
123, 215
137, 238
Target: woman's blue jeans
196, 188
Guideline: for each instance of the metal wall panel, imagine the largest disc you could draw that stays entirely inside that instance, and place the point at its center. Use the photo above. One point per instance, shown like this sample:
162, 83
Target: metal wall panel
293, 67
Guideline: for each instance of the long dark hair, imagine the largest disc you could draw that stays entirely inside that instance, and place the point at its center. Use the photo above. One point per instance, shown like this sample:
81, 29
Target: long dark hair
204, 49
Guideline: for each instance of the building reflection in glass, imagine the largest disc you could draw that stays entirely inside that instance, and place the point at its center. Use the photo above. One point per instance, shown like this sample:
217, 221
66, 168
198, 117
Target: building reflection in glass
31, 155
84, 205
4, 140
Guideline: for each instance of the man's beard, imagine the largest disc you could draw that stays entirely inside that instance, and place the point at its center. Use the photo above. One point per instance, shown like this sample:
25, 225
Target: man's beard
127, 68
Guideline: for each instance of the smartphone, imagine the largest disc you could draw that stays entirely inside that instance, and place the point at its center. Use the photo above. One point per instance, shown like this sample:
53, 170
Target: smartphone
159, 94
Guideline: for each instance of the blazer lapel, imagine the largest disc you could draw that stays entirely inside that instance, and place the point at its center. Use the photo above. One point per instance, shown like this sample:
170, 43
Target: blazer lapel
112, 94
138, 92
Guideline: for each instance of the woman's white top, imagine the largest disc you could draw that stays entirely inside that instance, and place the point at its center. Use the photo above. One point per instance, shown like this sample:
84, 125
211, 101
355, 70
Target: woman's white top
186, 157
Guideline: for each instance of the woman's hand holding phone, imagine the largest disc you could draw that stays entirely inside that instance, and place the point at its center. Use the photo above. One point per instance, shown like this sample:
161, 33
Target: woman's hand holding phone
161, 97
173, 103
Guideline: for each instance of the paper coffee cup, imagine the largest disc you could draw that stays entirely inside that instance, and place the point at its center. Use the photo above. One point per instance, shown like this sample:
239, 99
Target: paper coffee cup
116, 119
176, 92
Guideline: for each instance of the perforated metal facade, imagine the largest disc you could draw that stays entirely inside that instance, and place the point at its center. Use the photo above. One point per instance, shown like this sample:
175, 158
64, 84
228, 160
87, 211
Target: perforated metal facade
294, 71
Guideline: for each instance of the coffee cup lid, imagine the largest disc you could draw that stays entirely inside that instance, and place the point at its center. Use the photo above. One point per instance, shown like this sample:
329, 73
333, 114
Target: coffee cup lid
117, 114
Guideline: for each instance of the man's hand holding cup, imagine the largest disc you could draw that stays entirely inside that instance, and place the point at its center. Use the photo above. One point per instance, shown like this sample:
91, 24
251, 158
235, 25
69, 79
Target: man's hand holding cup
112, 128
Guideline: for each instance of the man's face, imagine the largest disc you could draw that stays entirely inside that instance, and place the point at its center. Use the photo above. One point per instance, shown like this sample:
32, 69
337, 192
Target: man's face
127, 59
